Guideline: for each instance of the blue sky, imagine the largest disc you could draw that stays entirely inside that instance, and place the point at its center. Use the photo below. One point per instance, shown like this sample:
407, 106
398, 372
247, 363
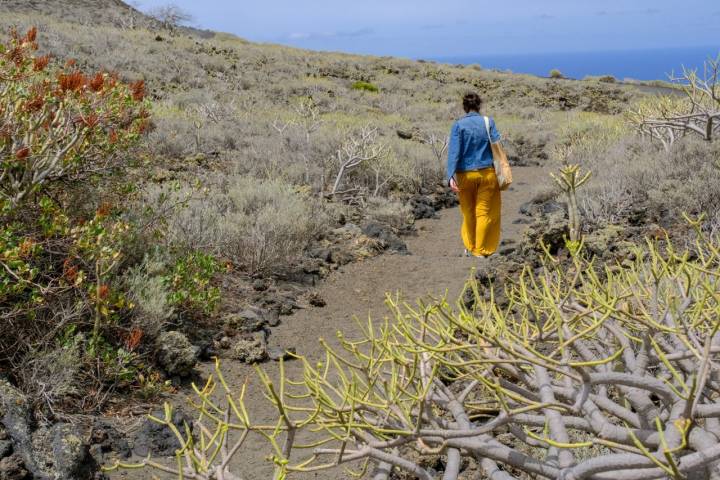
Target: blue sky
436, 28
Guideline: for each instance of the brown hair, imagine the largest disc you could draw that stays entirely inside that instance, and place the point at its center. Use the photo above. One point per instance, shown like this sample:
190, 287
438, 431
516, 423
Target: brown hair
472, 102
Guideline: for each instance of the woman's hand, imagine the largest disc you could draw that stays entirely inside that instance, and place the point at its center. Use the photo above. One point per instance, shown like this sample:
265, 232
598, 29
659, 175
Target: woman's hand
454, 186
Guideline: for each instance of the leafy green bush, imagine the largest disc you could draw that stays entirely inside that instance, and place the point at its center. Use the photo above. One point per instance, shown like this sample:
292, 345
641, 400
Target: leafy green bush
64, 297
555, 73
365, 86
60, 124
189, 283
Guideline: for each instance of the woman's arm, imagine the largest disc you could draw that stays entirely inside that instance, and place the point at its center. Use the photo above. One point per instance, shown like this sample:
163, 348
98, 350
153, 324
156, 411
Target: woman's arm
495, 136
453, 152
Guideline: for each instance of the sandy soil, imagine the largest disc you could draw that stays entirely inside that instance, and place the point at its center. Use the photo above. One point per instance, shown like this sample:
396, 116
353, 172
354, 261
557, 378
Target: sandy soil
434, 268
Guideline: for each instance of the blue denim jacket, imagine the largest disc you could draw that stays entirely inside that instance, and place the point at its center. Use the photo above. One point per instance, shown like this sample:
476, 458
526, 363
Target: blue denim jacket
469, 147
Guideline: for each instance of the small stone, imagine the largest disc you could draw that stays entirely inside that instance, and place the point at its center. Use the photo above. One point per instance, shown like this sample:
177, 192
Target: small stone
277, 353
507, 250
252, 349
405, 135
259, 285
177, 356
316, 300
248, 321
383, 233
273, 318
13, 468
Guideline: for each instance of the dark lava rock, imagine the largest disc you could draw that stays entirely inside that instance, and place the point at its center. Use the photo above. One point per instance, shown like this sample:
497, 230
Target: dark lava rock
421, 211
490, 276
248, 321
17, 420
386, 236
313, 267
176, 355
205, 348
536, 208
320, 253
608, 244
106, 439
278, 353
423, 206
273, 318
72, 459
6, 448
507, 250
260, 285
157, 440
316, 300
405, 135
551, 230
64, 453
340, 256
13, 468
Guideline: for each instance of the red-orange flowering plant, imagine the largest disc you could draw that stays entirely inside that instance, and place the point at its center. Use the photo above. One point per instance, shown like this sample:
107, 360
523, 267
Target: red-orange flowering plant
57, 122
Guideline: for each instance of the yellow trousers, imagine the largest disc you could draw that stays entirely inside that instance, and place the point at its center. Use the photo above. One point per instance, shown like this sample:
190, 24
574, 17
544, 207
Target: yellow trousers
480, 205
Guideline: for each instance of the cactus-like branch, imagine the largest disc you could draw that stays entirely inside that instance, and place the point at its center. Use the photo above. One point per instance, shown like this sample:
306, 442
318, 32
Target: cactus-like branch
584, 375
569, 181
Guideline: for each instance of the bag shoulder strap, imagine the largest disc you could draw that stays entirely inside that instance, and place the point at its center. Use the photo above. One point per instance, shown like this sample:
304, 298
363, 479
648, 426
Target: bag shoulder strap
487, 128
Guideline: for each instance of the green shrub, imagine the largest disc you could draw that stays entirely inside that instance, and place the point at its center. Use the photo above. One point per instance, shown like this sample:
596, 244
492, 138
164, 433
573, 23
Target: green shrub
60, 124
68, 322
149, 292
189, 282
365, 86
555, 73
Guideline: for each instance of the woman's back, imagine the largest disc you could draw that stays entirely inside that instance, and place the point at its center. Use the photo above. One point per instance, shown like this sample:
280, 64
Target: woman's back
469, 147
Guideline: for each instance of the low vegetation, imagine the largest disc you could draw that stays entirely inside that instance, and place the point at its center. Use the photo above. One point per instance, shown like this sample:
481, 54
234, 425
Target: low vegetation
669, 117
141, 202
586, 373
61, 252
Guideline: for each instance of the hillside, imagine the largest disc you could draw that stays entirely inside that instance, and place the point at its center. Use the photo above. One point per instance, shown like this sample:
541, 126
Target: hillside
238, 188
90, 12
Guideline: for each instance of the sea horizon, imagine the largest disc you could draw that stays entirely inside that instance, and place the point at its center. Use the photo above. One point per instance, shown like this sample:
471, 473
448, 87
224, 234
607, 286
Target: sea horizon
638, 64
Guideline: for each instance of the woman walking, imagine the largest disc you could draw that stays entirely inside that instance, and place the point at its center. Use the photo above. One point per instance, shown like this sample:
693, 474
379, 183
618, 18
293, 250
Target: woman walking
471, 174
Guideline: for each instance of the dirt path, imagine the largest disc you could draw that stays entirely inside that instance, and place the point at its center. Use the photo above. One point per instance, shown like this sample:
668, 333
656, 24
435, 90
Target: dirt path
434, 268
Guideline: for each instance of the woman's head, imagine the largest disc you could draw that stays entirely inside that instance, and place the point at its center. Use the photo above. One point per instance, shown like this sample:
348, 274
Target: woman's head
472, 102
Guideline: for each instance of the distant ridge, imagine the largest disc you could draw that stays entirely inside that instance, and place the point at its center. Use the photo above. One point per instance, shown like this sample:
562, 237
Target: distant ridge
115, 12
92, 12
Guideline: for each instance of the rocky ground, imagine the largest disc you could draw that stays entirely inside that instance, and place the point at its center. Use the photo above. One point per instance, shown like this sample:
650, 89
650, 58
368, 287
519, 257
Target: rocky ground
429, 266
343, 277
74, 449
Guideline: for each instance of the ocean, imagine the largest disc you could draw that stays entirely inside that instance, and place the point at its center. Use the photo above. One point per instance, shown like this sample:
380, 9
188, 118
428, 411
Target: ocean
656, 64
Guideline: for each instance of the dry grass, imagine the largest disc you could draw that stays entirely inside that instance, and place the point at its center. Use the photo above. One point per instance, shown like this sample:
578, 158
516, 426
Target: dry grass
222, 95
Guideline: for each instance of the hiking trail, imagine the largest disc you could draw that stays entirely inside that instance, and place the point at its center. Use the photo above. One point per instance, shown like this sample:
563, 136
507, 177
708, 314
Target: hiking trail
434, 268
